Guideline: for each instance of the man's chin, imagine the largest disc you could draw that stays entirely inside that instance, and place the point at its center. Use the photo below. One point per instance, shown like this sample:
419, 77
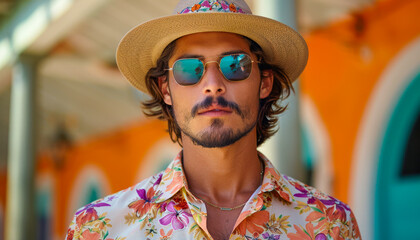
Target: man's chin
214, 143
218, 138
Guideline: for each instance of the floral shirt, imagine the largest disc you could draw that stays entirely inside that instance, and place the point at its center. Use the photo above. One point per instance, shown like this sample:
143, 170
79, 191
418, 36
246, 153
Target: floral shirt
162, 207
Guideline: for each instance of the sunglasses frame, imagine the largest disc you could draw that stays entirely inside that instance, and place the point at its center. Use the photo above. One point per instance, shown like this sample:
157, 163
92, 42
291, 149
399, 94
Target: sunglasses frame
218, 66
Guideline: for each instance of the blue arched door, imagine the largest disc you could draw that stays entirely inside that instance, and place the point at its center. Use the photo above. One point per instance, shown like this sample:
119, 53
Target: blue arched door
397, 198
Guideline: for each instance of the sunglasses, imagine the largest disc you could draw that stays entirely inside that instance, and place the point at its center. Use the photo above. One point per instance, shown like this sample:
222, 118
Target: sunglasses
234, 67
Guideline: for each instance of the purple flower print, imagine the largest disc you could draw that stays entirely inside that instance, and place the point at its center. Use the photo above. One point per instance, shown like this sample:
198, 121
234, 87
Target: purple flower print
110, 198
92, 205
177, 217
266, 235
158, 180
311, 199
338, 203
186, 10
304, 194
320, 236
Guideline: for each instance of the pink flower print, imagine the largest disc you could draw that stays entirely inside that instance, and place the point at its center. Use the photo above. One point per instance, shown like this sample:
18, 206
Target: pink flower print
177, 217
162, 207
225, 6
206, 4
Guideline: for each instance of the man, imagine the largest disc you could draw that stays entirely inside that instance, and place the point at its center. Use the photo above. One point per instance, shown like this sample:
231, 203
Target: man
215, 73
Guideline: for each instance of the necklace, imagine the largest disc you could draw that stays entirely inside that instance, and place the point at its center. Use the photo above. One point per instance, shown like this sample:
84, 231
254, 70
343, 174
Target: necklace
224, 208
240, 205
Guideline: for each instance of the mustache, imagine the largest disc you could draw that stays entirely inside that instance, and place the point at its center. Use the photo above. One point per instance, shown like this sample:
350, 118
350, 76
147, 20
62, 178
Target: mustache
221, 101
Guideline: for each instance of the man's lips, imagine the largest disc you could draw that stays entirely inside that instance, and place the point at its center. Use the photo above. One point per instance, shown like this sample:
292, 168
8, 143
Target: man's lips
214, 110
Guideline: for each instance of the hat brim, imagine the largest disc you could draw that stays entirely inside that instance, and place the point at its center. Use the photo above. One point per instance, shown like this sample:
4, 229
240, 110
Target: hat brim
140, 48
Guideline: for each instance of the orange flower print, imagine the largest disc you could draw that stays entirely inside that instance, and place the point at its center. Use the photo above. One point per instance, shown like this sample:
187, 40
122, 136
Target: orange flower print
181, 203
326, 217
335, 233
70, 233
87, 235
166, 236
232, 7
254, 224
303, 234
145, 203
195, 7
177, 181
86, 216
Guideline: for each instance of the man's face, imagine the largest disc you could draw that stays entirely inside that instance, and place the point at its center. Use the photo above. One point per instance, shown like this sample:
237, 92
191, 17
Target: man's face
215, 112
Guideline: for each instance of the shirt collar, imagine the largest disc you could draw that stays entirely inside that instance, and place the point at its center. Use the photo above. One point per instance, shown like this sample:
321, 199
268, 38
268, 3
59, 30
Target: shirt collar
173, 179
273, 180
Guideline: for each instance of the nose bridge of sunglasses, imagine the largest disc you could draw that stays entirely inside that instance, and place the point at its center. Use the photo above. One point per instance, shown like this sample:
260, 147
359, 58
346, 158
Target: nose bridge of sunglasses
217, 67
205, 64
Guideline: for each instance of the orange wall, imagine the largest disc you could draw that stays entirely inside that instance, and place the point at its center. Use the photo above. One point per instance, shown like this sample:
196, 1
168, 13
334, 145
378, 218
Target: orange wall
345, 65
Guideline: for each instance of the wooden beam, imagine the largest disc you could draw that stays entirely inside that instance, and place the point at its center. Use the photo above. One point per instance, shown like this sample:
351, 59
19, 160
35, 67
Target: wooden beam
35, 27
29, 21
57, 30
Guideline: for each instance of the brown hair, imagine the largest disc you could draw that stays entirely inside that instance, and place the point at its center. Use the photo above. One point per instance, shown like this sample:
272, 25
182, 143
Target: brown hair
269, 106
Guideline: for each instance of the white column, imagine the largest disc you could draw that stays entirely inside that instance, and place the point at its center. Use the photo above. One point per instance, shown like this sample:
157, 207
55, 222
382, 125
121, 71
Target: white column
20, 223
284, 148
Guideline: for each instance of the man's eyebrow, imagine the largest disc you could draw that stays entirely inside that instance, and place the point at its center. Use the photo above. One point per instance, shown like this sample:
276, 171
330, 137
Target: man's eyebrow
233, 52
187, 55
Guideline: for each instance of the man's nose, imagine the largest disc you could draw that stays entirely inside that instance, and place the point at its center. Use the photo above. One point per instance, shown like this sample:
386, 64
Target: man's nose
213, 79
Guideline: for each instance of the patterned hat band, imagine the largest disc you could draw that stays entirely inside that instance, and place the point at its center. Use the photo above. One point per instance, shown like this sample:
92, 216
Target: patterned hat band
214, 6
142, 46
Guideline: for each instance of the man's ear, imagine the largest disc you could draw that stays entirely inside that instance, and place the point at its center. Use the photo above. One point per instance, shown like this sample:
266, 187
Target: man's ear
266, 85
164, 89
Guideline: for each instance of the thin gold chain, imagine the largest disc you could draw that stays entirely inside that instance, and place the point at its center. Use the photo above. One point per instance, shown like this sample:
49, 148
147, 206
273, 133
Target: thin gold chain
224, 208
240, 205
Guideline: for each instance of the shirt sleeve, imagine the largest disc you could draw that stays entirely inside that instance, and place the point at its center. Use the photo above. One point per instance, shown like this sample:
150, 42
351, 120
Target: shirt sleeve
354, 227
71, 230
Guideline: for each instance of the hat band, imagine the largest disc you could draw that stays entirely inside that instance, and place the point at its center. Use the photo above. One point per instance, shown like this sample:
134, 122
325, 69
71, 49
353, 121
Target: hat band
212, 6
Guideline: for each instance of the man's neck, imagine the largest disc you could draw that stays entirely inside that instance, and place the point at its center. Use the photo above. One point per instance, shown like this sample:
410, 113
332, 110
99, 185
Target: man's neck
227, 175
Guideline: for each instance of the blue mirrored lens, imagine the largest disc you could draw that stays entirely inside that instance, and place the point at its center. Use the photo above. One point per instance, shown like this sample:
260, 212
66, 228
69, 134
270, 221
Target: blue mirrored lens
188, 71
236, 67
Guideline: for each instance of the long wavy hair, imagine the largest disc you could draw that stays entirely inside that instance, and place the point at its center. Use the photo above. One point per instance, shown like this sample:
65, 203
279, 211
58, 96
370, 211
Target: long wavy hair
270, 106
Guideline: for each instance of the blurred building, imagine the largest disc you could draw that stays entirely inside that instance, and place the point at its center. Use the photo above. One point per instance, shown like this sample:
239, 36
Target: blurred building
361, 108
359, 102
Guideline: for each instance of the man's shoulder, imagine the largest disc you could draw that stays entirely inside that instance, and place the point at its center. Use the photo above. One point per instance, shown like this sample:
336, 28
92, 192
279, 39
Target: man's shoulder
310, 211
293, 190
121, 200
305, 194
112, 211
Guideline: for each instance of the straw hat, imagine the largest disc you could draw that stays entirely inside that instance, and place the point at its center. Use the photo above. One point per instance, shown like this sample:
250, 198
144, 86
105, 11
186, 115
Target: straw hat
141, 47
